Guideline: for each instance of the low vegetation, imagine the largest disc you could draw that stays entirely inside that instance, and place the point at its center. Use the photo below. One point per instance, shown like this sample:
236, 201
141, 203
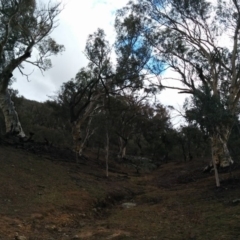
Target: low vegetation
48, 198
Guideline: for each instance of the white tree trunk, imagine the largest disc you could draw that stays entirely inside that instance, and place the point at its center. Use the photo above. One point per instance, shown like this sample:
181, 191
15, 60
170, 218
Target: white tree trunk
13, 125
88, 133
78, 138
215, 170
220, 152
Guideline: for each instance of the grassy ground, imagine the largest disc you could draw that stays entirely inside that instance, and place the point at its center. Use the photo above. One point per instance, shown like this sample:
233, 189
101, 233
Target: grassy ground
43, 199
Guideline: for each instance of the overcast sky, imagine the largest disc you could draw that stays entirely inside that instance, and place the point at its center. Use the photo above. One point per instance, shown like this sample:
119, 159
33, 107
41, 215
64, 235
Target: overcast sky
76, 22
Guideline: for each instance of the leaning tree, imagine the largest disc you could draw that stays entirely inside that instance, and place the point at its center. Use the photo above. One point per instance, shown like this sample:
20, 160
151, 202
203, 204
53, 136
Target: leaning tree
198, 41
81, 97
25, 27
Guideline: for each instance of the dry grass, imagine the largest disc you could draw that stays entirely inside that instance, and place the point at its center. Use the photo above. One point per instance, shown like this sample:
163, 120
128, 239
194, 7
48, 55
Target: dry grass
41, 199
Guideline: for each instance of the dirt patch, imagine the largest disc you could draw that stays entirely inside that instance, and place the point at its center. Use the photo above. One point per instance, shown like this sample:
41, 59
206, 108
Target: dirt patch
43, 199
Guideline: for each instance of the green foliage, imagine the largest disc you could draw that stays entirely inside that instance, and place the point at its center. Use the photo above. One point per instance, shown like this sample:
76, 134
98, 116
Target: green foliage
155, 126
207, 111
193, 143
185, 36
26, 25
133, 52
98, 52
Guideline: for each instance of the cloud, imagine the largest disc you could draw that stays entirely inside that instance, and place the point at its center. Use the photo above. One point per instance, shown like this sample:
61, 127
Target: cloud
77, 20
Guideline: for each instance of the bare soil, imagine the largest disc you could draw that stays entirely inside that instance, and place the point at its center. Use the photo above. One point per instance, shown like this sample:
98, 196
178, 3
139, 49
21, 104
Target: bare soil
43, 197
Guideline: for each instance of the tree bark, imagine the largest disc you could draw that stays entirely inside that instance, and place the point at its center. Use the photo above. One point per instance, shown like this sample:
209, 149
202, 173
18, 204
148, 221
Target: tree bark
220, 152
80, 139
88, 133
13, 125
77, 137
122, 147
215, 168
107, 150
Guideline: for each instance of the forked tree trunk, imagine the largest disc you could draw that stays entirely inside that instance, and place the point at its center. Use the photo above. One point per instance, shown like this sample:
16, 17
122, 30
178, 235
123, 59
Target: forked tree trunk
13, 125
77, 134
80, 139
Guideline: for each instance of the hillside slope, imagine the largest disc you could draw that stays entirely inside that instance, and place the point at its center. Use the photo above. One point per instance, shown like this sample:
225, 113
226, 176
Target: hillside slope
50, 199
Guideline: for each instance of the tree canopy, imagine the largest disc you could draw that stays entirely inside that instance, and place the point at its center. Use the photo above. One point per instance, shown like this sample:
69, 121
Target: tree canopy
25, 26
186, 37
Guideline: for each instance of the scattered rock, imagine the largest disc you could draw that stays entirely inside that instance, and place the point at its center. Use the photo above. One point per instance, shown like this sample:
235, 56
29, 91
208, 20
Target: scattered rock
82, 224
36, 216
236, 201
20, 238
129, 205
76, 237
52, 227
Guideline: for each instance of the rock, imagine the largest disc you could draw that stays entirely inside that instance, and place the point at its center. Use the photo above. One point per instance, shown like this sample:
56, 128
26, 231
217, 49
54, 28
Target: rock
236, 201
82, 224
36, 216
51, 227
82, 215
76, 237
20, 238
129, 205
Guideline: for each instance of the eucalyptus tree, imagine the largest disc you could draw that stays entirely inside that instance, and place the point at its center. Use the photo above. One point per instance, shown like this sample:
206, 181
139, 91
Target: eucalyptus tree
79, 100
198, 42
125, 113
94, 86
193, 142
83, 97
153, 128
25, 27
209, 114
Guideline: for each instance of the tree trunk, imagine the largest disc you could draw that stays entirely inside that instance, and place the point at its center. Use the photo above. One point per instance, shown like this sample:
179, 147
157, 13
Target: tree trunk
183, 150
13, 125
88, 133
122, 147
77, 137
215, 169
107, 151
220, 152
